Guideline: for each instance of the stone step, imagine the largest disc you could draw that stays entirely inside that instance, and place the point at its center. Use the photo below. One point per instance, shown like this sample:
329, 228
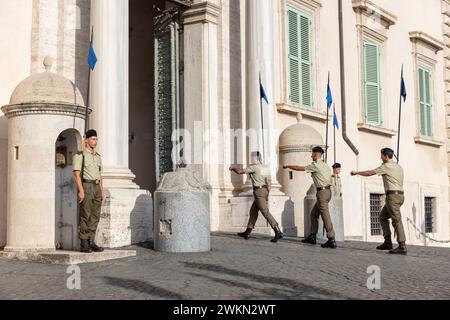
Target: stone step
67, 257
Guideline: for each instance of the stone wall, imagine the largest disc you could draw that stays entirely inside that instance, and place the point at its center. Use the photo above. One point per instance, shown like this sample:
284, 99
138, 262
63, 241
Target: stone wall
60, 29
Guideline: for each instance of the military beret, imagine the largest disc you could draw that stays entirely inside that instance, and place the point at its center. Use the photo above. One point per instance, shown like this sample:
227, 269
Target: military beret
91, 133
336, 165
318, 149
387, 152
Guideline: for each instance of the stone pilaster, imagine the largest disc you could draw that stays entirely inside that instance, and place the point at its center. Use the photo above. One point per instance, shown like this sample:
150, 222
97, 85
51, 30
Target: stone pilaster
202, 117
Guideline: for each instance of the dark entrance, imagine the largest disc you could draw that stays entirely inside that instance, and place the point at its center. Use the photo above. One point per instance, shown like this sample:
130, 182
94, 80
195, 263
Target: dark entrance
156, 76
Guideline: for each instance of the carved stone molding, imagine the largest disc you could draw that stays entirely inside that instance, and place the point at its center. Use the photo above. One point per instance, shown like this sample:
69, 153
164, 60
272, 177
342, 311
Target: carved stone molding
16, 110
204, 12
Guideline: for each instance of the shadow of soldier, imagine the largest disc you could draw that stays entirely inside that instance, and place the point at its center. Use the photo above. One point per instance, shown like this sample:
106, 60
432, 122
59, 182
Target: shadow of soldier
260, 285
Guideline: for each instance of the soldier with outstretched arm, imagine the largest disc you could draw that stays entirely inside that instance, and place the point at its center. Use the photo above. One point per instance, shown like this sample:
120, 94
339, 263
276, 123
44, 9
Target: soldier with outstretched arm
392, 174
261, 188
321, 175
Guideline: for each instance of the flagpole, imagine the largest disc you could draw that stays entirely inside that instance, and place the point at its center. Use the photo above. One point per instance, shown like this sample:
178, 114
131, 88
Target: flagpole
86, 119
334, 131
262, 118
399, 117
326, 131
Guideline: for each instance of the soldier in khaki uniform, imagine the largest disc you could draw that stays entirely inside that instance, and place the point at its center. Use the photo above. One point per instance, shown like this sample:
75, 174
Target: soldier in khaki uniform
336, 179
321, 175
392, 174
87, 168
261, 189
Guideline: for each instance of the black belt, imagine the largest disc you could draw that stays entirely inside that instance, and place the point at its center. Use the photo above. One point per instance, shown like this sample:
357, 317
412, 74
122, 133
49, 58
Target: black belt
259, 187
91, 181
323, 188
394, 192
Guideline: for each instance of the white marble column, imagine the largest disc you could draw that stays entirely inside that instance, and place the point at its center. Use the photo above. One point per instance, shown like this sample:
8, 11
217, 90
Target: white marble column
201, 104
109, 90
260, 62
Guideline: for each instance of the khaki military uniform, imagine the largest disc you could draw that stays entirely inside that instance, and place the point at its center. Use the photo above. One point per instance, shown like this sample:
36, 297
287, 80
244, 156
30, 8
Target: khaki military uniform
392, 174
336, 182
91, 206
261, 194
321, 175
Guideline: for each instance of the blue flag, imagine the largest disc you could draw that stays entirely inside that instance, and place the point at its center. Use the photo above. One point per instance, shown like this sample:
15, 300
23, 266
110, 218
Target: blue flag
335, 121
92, 60
329, 95
263, 92
403, 89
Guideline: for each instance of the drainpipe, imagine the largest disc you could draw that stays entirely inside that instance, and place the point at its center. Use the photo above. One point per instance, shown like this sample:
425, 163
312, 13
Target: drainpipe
342, 64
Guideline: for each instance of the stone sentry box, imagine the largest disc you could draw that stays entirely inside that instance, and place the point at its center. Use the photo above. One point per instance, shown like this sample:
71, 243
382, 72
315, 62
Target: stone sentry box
182, 215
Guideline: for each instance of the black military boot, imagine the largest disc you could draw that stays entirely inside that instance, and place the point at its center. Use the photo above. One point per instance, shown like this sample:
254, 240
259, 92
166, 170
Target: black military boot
245, 234
85, 247
95, 247
331, 243
400, 250
387, 245
311, 239
278, 234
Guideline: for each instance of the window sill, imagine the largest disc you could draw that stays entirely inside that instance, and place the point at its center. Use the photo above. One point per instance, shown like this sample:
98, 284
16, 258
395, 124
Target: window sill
309, 114
428, 142
376, 130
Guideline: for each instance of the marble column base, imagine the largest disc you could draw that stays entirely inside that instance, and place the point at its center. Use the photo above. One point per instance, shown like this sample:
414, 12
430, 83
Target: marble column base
126, 218
235, 212
119, 179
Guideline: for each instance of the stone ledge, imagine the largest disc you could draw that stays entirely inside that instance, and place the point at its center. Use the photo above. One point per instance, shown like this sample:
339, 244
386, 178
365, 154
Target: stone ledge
308, 114
429, 142
376, 130
67, 257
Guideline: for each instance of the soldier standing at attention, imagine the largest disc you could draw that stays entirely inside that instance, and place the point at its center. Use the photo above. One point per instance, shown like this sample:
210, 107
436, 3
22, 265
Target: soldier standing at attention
392, 175
321, 175
261, 189
87, 167
336, 179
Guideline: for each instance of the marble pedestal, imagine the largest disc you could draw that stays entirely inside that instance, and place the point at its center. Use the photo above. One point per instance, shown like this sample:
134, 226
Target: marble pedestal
126, 218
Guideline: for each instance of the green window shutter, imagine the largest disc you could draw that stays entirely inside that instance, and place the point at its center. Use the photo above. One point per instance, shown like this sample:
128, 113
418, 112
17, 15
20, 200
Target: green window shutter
299, 58
306, 72
372, 86
425, 103
293, 56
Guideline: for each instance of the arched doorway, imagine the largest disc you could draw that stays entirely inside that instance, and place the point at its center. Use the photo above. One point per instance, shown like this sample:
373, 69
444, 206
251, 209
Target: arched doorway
67, 144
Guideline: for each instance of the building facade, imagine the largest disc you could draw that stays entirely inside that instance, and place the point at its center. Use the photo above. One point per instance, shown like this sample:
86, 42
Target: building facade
180, 81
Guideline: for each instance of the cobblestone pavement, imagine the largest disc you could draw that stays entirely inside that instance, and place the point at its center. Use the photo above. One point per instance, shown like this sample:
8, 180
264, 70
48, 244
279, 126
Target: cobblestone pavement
239, 269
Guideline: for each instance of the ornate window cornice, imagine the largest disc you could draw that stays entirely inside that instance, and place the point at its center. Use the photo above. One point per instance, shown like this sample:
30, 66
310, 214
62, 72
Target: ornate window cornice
374, 12
421, 38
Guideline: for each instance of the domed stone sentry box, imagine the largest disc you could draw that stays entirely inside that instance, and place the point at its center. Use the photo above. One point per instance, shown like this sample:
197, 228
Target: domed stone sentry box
182, 217
42, 108
295, 144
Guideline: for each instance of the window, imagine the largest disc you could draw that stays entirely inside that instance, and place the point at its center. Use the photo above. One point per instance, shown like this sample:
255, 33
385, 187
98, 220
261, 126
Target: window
429, 214
299, 42
425, 99
372, 86
375, 210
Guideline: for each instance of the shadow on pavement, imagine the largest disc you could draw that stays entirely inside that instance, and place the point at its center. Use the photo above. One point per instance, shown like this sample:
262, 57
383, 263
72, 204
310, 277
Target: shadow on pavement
273, 287
143, 287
